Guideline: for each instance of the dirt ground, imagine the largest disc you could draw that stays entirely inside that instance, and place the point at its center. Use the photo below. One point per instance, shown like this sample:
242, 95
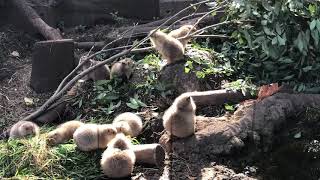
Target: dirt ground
289, 159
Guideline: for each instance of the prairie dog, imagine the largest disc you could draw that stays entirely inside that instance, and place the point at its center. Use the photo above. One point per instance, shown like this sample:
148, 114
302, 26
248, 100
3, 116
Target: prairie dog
168, 47
100, 73
63, 132
89, 137
181, 32
128, 123
23, 129
118, 159
179, 118
122, 69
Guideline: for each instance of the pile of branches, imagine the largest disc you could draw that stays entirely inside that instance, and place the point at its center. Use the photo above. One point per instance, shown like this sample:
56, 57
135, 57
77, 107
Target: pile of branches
70, 80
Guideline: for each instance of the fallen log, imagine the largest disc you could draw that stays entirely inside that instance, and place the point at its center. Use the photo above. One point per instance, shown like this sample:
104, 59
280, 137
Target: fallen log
36, 21
256, 120
217, 97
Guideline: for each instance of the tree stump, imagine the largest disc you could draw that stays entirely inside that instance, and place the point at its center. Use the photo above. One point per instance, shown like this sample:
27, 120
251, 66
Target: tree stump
51, 62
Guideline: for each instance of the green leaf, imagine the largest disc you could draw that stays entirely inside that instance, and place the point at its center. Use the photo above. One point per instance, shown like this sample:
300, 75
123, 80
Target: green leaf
318, 25
281, 41
312, 9
301, 87
313, 24
229, 107
266, 5
101, 82
278, 29
248, 38
307, 68
141, 103
299, 42
132, 106
286, 60
133, 101
315, 36
297, 135
118, 104
112, 97
274, 41
267, 31
80, 103
288, 77
109, 87
234, 34
264, 22
101, 96
187, 70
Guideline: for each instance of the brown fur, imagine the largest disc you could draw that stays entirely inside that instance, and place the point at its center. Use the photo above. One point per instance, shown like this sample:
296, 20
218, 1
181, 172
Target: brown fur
179, 118
181, 32
24, 128
93, 136
100, 73
168, 47
122, 69
119, 159
128, 123
64, 132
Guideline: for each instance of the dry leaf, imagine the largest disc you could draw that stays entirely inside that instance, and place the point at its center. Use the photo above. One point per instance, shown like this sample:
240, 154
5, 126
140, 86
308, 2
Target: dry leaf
15, 54
28, 101
267, 90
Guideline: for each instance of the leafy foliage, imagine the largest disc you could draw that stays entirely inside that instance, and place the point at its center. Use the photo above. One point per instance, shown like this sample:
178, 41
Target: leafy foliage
277, 41
31, 158
136, 103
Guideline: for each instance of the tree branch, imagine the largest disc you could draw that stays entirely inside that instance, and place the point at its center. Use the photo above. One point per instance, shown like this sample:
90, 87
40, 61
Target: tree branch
60, 91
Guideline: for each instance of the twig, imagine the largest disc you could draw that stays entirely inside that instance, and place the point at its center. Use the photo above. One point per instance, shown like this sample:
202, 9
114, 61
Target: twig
205, 15
185, 17
207, 27
134, 26
118, 39
211, 36
90, 50
5, 96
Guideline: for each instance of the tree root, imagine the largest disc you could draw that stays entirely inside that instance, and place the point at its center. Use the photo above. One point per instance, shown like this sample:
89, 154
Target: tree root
256, 120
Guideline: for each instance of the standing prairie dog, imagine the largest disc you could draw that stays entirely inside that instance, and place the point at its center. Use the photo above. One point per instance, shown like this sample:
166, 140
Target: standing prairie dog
181, 32
122, 69
100, 73
90, 137
118, 159
128, 123
24, 128
179, 118
168, 47
63, 132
